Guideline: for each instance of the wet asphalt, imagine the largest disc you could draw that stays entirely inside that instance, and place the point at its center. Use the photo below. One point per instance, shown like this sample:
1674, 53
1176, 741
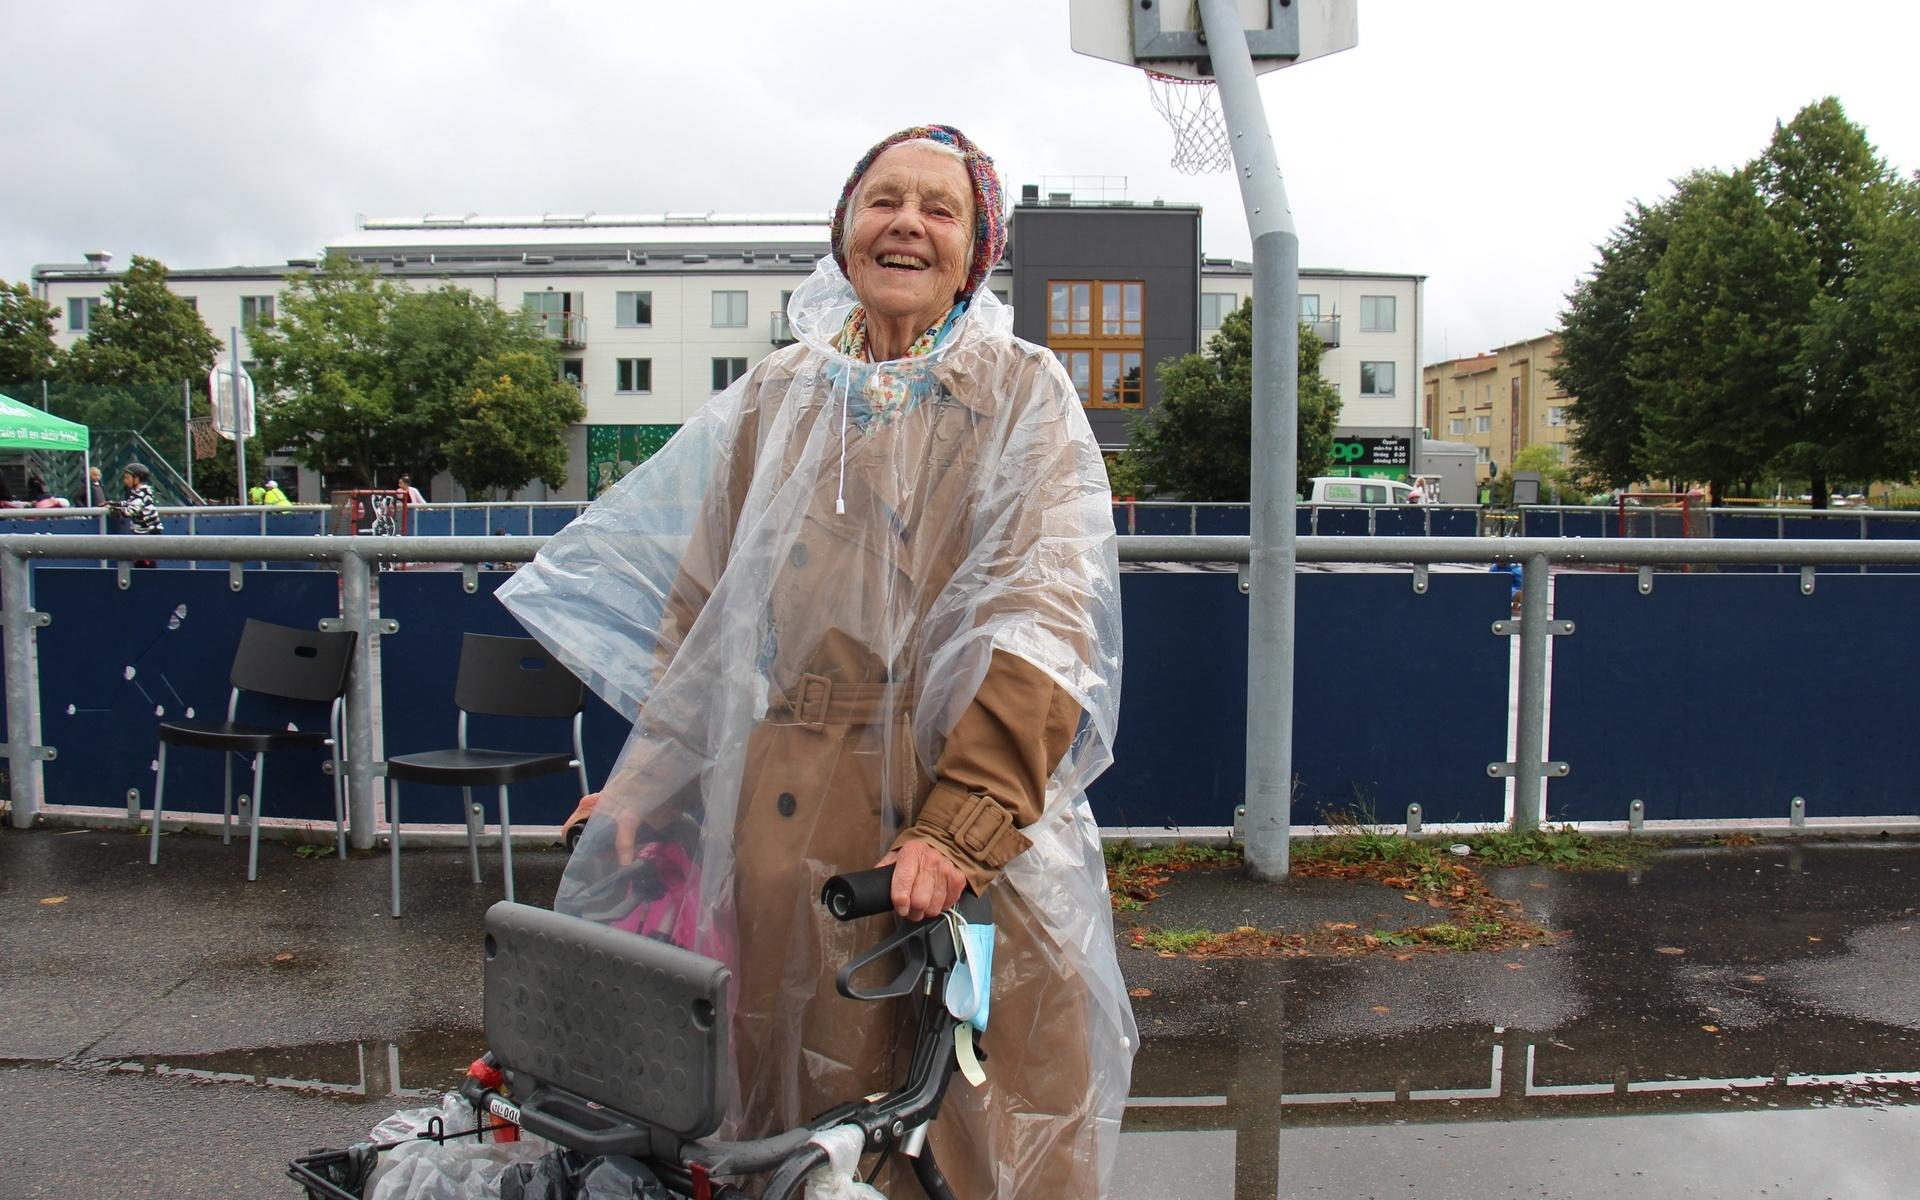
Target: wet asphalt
1717, 1023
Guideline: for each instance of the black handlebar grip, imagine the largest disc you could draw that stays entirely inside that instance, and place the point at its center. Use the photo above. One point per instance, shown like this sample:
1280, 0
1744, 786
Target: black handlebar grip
859, 894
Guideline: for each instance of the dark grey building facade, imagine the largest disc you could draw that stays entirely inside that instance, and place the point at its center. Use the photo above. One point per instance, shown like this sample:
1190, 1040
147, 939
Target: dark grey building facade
1113, 288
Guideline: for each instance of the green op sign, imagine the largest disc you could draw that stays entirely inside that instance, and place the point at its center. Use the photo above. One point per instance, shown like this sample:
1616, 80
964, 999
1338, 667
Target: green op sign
25, 428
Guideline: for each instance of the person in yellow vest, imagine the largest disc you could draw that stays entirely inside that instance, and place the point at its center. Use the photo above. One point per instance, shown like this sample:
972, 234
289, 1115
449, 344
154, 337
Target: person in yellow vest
274, 496
256, 495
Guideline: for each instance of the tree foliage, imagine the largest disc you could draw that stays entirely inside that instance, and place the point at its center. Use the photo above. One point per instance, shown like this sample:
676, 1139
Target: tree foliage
1197, 442
511, 425
364, 374
1743, 327
143, 335
27, 348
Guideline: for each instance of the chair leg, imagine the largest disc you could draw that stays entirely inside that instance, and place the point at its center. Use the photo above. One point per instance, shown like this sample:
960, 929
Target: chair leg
226, 801
475, 826
339, 794
393, 840
253, 821
506, 841
159, 802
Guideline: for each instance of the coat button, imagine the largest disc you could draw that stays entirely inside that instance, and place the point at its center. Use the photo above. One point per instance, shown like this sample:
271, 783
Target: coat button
785, 804
798, 555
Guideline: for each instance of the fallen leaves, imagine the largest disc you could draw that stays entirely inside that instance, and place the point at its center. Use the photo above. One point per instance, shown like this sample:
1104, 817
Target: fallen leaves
1516, 966
1668, 950
1711, 1028
50, 901
1140, 993
1382, 1009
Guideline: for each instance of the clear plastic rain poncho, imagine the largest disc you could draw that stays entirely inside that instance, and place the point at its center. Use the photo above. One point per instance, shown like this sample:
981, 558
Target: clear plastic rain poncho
796, 601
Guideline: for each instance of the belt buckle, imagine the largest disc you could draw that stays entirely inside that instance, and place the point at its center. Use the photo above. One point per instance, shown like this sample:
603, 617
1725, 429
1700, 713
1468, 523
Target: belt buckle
811, 708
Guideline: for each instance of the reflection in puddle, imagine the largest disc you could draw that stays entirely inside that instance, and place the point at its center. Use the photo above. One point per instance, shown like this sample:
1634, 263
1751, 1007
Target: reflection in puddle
419, 1065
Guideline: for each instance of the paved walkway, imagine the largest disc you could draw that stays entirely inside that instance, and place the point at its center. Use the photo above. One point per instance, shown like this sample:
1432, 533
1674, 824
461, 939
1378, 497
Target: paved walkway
1743, 1019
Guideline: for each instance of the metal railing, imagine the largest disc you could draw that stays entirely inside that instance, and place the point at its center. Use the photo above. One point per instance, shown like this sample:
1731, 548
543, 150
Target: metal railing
355, 558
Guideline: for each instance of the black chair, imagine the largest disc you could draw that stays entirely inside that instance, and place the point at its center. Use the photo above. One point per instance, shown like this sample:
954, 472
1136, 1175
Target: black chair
272, 660
499, 677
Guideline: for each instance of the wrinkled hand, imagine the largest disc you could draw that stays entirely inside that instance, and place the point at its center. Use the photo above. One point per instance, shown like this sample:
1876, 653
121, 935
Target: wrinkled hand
925, 881
626, 833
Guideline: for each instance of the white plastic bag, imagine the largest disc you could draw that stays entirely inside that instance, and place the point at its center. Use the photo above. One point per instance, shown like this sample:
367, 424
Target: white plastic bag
833, 1180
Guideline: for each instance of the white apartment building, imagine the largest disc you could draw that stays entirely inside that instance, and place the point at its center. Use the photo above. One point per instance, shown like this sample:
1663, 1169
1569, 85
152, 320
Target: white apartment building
654, 314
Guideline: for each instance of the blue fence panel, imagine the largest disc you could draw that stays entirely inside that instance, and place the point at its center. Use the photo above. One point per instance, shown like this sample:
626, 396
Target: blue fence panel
112, 662
470, 522
549, 521
430, 522
418, 666
1594, 523
1175, 520
1540, 522
1400, 522
1894, 527
1724, 696
1376, 665
1236, 521
1455, 522
1340, 522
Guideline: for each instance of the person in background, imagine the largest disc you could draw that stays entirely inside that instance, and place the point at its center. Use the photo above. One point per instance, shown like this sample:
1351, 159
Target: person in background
256, 495
96, 491
405, 487
274, 497
139, 509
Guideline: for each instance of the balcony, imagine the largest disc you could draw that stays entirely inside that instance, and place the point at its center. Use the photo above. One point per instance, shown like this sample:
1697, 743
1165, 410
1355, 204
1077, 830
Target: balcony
779, 329
569, 329
1327, 329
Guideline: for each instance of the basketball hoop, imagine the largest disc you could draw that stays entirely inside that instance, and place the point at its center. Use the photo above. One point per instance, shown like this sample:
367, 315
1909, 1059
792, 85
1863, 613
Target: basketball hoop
1192, 108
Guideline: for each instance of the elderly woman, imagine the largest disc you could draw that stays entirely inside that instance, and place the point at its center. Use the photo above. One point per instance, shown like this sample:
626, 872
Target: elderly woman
864, 609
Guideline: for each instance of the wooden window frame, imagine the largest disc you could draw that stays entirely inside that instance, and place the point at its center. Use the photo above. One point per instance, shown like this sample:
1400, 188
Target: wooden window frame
1098, 346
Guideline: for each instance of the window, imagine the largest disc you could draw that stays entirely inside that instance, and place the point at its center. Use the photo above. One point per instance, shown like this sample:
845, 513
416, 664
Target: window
1556, 415
1376, 379
556, 314
80, 312
573, 370
256, 310
726, 370
1309, 307
633, 310
633, 374
1483, 454
1457, 425
1483, 424
1214, 307
1097, 328
193, 302
1002, 295
729, 309
1376, 314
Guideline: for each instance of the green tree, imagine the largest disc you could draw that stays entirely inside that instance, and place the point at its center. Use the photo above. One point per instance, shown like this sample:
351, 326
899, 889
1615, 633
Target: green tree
143, 335
1543, 458
1716, 339
510, 424
364, 374
1197, 442
1882, 315
1826, 187
1597, 333
27, 348
326, 392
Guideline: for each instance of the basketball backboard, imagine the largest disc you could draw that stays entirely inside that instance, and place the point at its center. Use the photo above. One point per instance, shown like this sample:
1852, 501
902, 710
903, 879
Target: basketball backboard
1165, 36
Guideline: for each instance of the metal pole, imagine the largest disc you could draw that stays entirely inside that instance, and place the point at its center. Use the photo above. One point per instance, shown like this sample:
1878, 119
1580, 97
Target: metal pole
186, 427
24, 780
1529, 739
356, 613
1276, 411
239, 423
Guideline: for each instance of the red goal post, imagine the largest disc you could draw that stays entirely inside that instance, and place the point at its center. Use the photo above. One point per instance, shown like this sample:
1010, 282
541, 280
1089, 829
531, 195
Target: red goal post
369, 511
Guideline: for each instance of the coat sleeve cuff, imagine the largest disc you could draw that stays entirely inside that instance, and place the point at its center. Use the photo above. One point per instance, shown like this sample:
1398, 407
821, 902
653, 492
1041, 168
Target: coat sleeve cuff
973, 830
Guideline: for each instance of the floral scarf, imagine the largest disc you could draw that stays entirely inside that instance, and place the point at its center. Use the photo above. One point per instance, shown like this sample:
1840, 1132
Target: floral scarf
876, 396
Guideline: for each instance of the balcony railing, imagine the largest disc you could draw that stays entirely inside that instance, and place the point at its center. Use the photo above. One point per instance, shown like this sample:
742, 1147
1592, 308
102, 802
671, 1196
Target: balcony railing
1327, 329
569, 329
780, 329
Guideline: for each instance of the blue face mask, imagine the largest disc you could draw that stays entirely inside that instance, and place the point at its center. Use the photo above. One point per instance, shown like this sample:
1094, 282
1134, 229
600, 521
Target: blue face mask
970, 986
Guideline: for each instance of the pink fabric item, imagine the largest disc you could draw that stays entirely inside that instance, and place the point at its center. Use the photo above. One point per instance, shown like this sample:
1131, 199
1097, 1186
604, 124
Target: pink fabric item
674, 916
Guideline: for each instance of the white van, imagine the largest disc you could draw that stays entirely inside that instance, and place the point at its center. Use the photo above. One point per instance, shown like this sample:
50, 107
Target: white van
1329, 489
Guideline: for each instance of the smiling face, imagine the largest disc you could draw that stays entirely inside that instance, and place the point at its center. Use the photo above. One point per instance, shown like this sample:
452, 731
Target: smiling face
911, 235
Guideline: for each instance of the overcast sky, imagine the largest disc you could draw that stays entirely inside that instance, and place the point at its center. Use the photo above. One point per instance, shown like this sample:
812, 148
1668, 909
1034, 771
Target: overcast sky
1487, 144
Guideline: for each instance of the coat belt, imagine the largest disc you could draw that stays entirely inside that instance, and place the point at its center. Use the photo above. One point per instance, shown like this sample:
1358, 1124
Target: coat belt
818, 701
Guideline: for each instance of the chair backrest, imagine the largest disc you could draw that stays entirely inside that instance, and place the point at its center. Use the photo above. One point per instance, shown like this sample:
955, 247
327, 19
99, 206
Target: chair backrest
514, 677
299, 664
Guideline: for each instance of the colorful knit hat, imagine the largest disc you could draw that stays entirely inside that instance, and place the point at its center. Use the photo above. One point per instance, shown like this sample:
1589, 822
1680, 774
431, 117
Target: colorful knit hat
989, 208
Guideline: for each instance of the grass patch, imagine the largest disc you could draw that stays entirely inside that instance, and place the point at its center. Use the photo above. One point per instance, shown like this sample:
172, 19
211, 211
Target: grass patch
1135, 873
1176, 941
1563, 847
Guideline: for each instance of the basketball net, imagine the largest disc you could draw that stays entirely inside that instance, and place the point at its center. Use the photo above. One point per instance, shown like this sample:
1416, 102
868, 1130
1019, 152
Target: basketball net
1192, 108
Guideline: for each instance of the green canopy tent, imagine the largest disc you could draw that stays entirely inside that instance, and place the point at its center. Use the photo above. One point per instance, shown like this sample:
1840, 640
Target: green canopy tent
23, 427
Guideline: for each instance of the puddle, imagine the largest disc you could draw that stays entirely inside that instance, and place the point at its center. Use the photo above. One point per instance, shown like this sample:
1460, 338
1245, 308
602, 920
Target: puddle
416, 1067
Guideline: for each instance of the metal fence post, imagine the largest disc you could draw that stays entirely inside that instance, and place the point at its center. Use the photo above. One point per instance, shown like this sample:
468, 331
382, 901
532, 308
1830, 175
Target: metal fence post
356, 613
24, 752
1530, 735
